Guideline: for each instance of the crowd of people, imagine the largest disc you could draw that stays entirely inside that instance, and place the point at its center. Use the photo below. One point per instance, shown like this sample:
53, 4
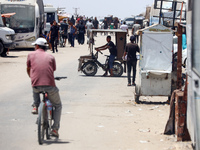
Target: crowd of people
71, 29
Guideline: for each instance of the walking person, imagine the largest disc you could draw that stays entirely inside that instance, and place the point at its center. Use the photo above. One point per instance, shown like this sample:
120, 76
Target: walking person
54, 36
89, 25
135, 28
116, 22
81, 33
64, 29
130, 50
113, 53
40, 68
72, 33
105, 25
124, 27
96, 25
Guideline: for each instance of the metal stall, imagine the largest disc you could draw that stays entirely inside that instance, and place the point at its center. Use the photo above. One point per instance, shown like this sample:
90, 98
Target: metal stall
155, 66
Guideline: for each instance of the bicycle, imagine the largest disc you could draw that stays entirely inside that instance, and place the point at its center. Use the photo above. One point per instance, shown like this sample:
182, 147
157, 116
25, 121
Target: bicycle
45, 116
91, 64
61, 40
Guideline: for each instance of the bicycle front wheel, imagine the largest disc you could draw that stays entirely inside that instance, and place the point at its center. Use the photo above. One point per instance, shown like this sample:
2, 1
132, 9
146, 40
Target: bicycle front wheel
41, 123
49, 124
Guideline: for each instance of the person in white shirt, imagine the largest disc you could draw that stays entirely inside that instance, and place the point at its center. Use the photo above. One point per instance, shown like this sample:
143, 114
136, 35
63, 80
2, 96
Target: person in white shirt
135, 28
89, 25
124, 27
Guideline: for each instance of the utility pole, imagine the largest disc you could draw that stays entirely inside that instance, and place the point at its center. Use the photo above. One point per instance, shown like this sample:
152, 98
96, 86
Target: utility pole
76, 12
161, 15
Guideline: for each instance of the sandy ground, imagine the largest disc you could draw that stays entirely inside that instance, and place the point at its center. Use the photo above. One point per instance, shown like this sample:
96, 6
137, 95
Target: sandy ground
98, 113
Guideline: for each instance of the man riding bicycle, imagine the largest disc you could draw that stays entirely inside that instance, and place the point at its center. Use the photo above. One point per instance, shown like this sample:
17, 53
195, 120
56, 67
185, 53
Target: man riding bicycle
40, 68
113, 53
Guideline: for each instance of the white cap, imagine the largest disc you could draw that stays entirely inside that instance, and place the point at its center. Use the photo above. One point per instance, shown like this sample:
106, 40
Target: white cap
41, 42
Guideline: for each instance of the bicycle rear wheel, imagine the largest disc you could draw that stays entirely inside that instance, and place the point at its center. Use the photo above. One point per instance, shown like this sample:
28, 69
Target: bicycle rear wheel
41, 123
117, 69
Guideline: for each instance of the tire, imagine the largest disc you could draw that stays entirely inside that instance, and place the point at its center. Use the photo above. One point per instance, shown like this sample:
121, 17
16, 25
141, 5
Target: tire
41, 124
185, 62
89, 68
48, 129
1, 48
117, 69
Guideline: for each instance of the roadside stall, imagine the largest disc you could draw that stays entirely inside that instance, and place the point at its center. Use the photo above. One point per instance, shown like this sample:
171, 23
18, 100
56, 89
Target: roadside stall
155, 66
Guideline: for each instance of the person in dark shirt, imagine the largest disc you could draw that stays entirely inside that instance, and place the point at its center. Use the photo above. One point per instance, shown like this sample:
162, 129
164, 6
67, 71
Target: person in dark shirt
81, 32
72, 33
113, 53
130, 50
116, 22
72, 20
54, 36
96, 25
64, 29
105, 25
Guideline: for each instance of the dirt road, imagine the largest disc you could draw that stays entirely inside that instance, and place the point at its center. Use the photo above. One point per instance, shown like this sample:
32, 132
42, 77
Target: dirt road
98, 113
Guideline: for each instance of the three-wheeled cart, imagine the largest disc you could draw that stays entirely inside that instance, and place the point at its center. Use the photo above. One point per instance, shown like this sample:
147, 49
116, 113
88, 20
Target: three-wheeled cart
155, 66
88, 64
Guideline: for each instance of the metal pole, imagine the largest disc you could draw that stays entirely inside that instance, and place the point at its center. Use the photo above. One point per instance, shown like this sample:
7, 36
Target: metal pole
181, 12
174, 16
161, 4
179, 61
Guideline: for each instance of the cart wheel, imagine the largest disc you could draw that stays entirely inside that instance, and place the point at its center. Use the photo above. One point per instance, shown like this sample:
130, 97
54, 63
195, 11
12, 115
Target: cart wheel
89, 68
137, 94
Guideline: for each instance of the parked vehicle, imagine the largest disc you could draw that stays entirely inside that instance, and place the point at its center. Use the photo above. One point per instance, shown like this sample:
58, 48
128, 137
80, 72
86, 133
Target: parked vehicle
7, 37
89, 64
101, 24
28, 22
139, 20
129, 22
50, 15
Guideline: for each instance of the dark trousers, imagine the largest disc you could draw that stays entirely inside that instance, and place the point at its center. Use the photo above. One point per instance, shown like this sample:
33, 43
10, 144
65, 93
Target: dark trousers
54, 41
72, 38
136, 38
131, 65
81, 38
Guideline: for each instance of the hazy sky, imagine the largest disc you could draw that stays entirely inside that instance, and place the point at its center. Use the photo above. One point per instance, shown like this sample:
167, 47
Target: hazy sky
101, 8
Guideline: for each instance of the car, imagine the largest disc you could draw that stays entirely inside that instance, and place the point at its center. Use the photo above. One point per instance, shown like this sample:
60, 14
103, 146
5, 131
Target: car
101, 23
129, 21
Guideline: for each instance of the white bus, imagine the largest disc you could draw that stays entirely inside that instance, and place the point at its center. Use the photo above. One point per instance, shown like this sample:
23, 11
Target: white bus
50, 15
28, 22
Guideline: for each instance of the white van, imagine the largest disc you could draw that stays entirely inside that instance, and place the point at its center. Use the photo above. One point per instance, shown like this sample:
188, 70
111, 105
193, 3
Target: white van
7, 37
50, 15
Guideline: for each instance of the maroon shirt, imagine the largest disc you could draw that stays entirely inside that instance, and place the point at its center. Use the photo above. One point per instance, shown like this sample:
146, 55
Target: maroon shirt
42, 67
